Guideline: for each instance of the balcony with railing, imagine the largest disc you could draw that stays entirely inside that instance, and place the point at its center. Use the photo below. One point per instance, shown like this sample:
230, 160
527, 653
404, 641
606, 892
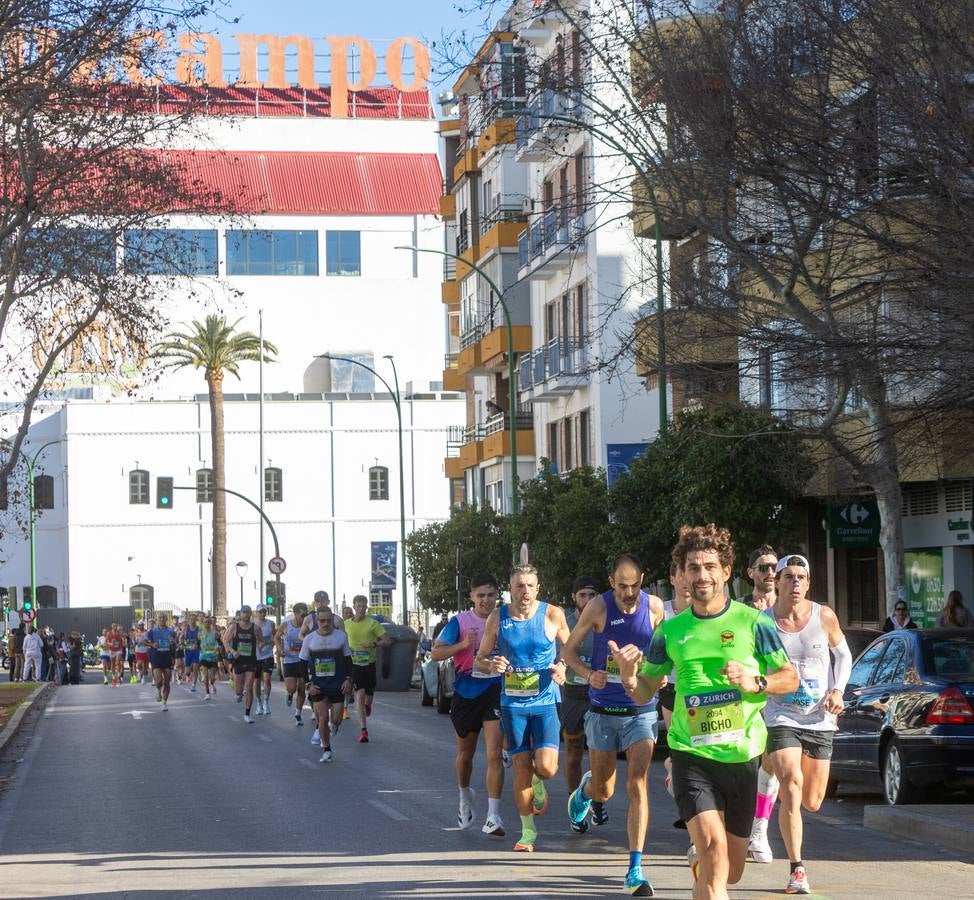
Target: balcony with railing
541, 126
554, 370
501, 223
453, 379
551, 242
497, 434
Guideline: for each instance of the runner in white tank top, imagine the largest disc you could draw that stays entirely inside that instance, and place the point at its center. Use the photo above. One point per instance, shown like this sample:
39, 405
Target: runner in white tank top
800, 724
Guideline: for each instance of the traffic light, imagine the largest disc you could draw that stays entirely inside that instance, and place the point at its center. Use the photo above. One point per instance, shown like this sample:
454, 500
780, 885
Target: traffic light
164, 492
271, 595
28, 604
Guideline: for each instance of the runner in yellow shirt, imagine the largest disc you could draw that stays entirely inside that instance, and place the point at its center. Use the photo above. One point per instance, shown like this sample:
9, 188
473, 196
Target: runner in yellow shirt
364, 635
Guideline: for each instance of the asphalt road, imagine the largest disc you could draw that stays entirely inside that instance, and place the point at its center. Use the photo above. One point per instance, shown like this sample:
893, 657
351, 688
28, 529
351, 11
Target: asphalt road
105, 796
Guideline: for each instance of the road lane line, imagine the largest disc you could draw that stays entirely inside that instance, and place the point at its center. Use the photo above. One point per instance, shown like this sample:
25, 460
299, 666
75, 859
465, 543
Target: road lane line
307, 762
264, 737
388, 810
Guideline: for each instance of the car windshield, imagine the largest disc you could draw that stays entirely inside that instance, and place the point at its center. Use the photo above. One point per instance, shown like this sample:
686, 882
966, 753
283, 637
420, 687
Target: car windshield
951, 657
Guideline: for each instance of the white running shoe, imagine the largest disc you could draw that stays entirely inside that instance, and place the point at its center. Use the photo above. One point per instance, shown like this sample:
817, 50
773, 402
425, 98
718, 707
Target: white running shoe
798, 883
267, 707
207, 697
316, 738
326, 756
248, 720
465, 813
298, 721
494, 826
758, 848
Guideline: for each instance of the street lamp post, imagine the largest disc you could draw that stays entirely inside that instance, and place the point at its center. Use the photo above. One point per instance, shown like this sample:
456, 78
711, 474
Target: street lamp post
31, 463
397, 400
241, 568
512, 387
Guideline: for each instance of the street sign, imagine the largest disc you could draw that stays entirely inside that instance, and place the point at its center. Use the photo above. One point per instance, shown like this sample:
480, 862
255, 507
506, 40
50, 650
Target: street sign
276, 565
27, 615
13, 619
854, 526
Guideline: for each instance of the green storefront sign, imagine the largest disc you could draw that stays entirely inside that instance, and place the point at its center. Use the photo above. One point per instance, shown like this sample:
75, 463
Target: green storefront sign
924, 585
854, 526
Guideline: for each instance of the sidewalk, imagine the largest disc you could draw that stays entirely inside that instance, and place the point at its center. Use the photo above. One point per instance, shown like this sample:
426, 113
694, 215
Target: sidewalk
13, 726
947, 825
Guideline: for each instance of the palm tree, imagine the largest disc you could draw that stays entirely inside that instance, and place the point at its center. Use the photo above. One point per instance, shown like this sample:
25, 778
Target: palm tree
214, 346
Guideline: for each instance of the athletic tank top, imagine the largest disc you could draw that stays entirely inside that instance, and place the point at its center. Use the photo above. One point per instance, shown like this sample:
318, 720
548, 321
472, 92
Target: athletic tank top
635, 628
266, 650
469, 623
244, 641
191, 637
529, 651
140, 645
292, 642
808, 651
575, 684
208, 641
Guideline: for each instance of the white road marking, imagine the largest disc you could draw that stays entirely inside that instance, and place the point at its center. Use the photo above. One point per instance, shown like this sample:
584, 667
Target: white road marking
307, 762
264, 737
388, 810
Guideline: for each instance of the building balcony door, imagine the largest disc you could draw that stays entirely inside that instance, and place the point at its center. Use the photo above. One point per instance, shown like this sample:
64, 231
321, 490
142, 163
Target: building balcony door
863, 587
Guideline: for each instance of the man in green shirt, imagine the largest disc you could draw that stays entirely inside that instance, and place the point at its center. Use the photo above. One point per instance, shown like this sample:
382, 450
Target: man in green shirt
726, 658
364, 635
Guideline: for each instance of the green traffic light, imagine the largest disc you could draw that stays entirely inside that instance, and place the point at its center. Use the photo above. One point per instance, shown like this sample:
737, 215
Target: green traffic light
164, 501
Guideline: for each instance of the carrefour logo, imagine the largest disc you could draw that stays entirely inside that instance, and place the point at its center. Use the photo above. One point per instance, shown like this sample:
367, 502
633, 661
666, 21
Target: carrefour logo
855, 513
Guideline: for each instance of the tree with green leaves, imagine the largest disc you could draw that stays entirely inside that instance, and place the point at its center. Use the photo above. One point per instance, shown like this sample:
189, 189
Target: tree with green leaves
482, 537
734, 465
215, 346
565, 522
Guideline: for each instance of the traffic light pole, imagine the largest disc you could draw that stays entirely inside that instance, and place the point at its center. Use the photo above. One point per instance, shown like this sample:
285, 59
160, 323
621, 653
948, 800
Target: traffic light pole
267, 522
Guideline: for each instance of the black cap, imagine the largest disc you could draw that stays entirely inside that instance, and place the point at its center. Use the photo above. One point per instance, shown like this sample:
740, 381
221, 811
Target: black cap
584, 582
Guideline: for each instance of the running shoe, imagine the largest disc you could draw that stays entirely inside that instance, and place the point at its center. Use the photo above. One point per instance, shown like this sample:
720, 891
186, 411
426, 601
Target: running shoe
494, 826
104, 679
267, 707
600, 815
363, 737
132, 680
758, 848
207, 697
506, 758
693, 861
465, 812
798, 883
289, 699
636, 884
298, 721
158, 695
579, 827
165, 708
239, 698
523, 848
345, 714
368, 710
260, 707
213, 687
578, 804
326, 756
248, 720
192, 690
316, 738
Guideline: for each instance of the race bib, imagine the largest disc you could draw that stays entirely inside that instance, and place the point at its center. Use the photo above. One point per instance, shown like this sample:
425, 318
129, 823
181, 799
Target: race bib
612, 670
575, 678
806, 695
360, 657
163, 643
245, 648
324, 668
295, 648
716, 717
190, 645
522, 684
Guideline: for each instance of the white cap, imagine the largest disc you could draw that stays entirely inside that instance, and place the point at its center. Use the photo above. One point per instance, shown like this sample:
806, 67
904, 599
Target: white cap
786, 560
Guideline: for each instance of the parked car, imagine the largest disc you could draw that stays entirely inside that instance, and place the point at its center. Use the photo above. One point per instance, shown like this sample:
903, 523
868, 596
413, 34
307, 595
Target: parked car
908, 722
860, 638
436, 683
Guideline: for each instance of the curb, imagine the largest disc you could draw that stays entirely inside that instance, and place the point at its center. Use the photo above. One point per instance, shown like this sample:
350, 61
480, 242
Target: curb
13, 726
943, 829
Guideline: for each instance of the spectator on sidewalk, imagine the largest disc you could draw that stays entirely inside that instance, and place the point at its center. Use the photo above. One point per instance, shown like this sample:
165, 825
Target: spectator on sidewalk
76, 652
439, 626
63, 653
899, 619
17, 655
33, 651
49, 666
954, 614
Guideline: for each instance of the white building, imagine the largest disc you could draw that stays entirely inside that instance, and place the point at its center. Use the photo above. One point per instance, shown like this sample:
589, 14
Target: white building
312, 250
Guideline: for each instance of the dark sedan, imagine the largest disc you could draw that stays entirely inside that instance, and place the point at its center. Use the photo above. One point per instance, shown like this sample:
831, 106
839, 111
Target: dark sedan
908, 722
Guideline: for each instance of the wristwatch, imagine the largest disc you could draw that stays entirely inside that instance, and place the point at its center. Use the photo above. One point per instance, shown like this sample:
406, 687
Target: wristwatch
762, 683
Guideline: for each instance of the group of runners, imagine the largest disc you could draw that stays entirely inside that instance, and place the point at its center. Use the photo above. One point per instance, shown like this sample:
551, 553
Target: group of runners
748, 690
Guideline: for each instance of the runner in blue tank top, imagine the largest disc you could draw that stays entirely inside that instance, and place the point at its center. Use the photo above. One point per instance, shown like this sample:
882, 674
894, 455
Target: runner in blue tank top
524, 634
624, 615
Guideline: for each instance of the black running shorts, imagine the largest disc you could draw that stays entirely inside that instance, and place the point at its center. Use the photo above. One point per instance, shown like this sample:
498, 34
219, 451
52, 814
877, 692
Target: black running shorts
363, 677
468, 715
701, 784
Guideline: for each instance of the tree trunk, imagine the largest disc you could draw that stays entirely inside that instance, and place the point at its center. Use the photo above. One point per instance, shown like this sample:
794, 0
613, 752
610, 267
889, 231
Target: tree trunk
214, 381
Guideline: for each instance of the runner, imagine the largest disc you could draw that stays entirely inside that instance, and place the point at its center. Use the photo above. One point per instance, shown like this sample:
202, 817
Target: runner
574, 703
115, 641
104, 655
322, 603
240, 640
624, 616
178, 652
801, 723
160, 639
328, 656
209, 647
761, 567
524, 634
141, 652
727, 657
265, 661
130, 653
295, 669
364, 635
191, 651
476, 703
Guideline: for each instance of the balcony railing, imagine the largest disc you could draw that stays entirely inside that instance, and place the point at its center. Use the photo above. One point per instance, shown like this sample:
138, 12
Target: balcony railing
560, 356
523, 421
503, 209
537, 116
449, 268
455, 439
556, 228
475, 333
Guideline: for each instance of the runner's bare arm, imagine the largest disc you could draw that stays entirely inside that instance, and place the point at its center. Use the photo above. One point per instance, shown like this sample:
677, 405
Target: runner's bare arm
228, 634
592, 618
638, 686
780, 681
496, 664
556, 618
657, 611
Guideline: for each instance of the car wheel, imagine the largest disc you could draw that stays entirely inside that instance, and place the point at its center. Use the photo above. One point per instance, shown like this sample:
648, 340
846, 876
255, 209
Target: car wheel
897, 787
426, 699
442, 703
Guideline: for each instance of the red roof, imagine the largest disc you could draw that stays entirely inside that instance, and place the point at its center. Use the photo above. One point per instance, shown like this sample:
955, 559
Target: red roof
310, 183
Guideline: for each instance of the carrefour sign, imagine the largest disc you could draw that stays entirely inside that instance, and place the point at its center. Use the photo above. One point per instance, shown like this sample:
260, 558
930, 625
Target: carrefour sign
854, 525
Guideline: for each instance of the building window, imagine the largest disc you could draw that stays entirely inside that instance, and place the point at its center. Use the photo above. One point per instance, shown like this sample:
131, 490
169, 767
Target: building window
568, 443
70, 253
138, 486
46, 596
204, 485
349, 378
171, 251
553, 446
584, 455
272, 252
141, 596
378, 483
458, 493
43, 492
343, 253
273, 485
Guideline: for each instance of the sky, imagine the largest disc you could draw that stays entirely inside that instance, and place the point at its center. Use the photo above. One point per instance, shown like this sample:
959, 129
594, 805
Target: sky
377, 20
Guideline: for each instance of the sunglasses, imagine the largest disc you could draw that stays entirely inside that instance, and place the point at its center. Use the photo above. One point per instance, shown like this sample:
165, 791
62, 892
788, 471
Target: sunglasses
766, 567
900, 608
